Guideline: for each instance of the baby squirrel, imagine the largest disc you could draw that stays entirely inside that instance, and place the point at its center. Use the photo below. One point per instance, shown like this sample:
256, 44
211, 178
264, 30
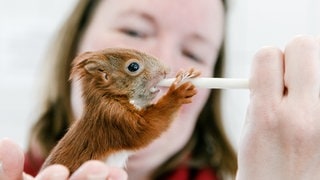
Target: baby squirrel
119, 118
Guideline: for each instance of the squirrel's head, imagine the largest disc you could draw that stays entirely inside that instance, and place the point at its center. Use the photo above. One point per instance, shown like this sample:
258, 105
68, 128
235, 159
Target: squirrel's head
119, 72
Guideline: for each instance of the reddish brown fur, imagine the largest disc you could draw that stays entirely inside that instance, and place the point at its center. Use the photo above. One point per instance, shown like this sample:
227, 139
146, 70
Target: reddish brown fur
110, 123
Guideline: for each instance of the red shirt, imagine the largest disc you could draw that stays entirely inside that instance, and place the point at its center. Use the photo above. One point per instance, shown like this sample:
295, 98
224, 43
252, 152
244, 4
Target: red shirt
187, 173
33, 164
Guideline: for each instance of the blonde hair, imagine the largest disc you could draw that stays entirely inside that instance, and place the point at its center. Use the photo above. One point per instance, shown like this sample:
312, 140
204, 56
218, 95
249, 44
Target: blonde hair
208, 146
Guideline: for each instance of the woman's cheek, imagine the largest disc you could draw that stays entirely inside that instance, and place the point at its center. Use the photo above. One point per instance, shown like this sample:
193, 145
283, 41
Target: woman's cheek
198, 101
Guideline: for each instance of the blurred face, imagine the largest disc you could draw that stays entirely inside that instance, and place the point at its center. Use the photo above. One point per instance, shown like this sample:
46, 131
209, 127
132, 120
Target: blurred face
182, 36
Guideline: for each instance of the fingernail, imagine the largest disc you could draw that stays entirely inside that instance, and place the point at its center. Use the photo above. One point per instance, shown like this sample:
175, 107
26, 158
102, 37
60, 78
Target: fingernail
27, 177
59, 176
53, 176
1, 167
101, 176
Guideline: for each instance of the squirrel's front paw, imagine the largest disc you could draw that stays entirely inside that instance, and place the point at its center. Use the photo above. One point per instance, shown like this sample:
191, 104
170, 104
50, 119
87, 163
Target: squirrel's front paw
182, 76
181, 89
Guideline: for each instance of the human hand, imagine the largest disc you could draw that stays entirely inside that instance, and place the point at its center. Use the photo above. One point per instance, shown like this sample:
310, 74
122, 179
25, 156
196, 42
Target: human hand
12, 159
281, 133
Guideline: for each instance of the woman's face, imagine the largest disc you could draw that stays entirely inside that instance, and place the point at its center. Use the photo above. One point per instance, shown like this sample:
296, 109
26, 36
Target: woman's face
182, 34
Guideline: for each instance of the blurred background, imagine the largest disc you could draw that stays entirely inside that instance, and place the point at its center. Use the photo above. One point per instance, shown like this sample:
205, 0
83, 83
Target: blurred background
27, 27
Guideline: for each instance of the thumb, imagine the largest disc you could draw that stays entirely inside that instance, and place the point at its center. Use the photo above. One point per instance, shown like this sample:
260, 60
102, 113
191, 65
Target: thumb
11, 160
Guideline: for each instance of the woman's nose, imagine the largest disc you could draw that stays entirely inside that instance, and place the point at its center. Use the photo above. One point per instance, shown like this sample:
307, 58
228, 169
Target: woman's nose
168, 57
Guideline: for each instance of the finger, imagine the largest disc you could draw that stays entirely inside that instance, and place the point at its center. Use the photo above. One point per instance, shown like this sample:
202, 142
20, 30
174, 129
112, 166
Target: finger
27, 177
187, 86
194, 73
97, 170
53, 172
302, 67
179, 78
117, 174
91, 170
266, 80
11, 160
179, 73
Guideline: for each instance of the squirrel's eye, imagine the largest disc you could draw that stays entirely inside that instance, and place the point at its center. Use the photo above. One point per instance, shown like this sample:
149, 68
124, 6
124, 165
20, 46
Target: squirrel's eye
133, 67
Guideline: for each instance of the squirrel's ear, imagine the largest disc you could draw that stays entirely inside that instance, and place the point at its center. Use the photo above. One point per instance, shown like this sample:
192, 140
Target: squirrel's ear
93, 66
89, 61
96, 67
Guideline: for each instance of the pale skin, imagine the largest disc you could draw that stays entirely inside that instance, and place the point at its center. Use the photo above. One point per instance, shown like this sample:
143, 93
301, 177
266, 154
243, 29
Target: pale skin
270, 113
11, 167
280, 139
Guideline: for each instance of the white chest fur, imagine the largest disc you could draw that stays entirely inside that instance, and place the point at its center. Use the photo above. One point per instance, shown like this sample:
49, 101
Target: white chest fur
118, 159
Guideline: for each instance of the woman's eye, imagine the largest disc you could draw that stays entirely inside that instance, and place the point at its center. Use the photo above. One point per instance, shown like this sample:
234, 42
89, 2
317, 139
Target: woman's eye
133, 33
191, 56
